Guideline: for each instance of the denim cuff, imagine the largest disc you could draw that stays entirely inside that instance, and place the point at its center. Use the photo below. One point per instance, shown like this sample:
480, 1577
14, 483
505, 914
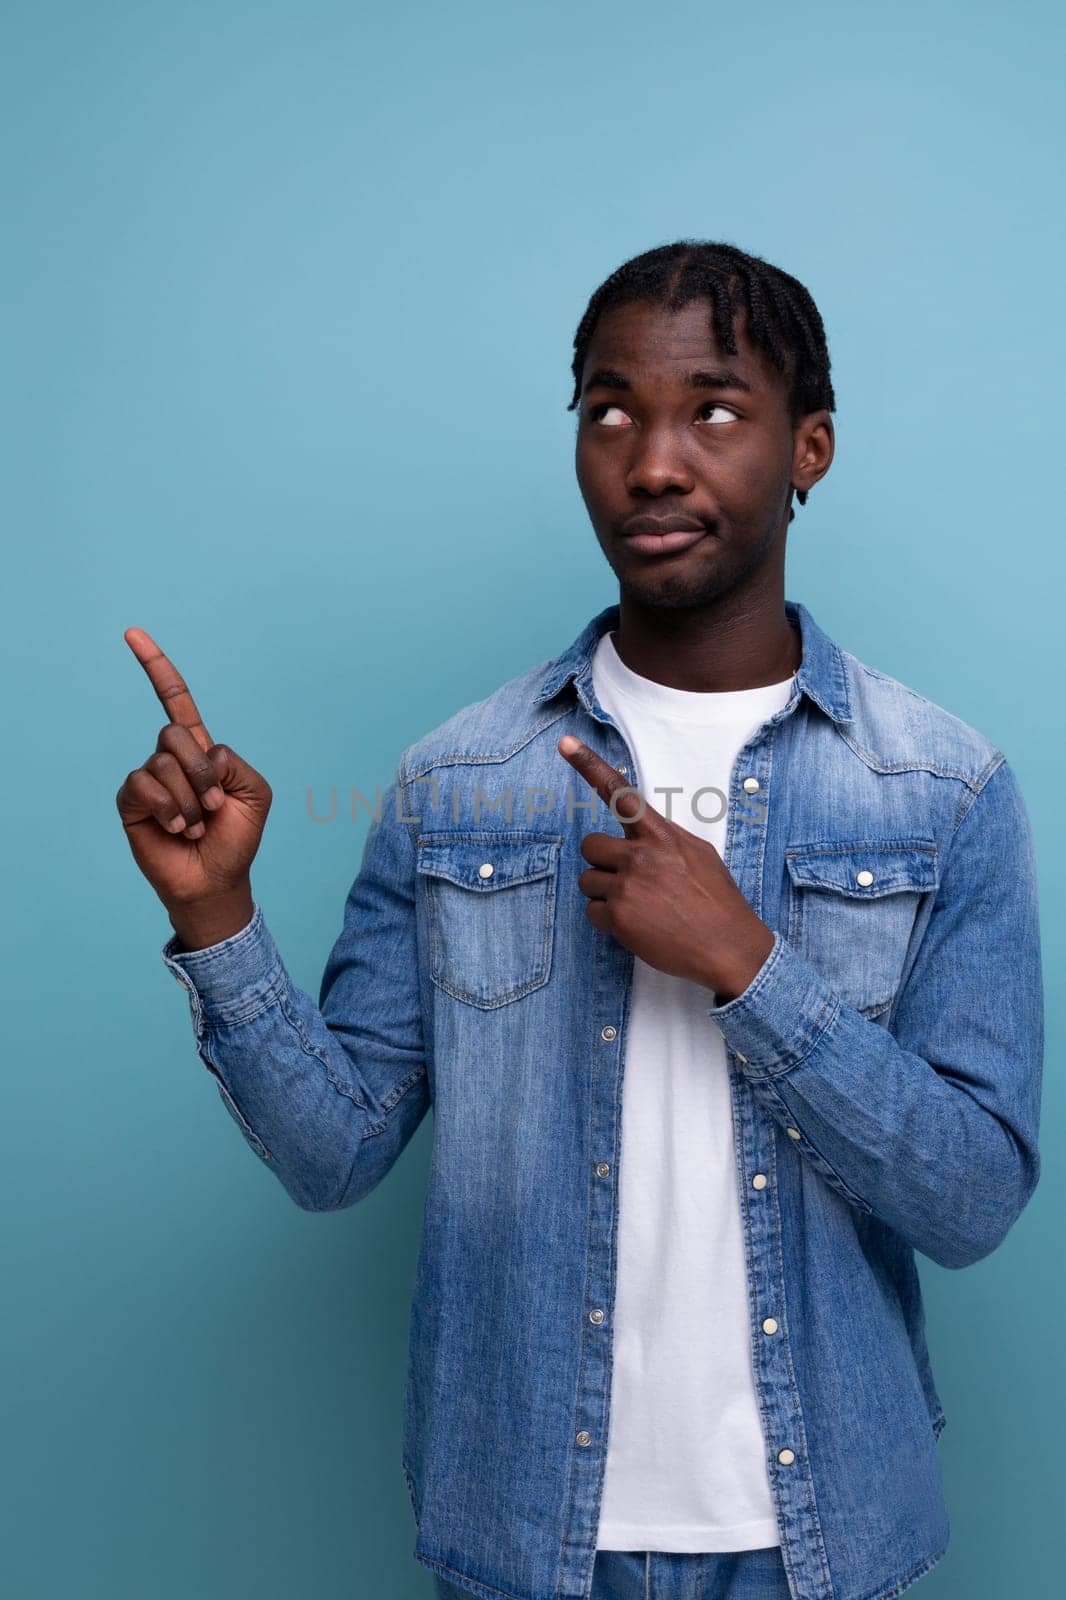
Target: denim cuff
231, 981
775, 1023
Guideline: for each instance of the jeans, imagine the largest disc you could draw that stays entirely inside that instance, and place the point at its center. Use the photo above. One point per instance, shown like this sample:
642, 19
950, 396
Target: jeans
665, 1575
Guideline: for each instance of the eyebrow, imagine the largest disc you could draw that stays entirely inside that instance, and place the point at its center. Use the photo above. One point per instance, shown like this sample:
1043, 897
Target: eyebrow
702, 378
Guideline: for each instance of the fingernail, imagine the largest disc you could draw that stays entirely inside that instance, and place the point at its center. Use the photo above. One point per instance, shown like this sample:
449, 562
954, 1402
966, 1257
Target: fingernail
176, 824
213, 797
195, 831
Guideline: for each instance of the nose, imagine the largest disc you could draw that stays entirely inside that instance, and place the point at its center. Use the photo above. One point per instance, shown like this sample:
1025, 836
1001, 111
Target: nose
658, 464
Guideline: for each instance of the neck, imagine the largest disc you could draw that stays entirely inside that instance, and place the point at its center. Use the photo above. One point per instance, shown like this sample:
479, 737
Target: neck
732, 642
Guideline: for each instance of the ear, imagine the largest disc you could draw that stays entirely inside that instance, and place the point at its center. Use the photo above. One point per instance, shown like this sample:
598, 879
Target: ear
812, 452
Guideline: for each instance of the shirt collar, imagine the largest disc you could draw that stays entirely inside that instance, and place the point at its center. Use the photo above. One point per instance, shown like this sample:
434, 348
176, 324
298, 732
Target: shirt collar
822, 673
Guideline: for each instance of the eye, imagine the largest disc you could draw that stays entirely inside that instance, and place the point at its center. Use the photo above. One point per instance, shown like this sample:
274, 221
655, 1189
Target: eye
729, 415
602, 413
597, 413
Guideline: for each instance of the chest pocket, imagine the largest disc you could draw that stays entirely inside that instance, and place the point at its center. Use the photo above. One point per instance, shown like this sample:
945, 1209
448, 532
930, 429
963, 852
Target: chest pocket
490, 911
852, 906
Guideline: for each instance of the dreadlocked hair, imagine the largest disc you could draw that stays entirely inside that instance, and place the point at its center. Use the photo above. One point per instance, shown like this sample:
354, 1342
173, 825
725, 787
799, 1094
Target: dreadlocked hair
783, 320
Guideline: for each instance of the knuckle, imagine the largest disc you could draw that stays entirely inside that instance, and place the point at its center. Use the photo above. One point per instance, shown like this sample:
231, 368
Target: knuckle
137, 788
200, 772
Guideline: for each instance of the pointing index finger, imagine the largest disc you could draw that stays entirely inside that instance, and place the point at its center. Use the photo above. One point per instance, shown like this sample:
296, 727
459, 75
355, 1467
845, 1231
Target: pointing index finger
631, 809
168, 684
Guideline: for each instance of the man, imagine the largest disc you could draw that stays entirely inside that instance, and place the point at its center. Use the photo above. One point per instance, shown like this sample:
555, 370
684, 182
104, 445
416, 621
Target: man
671, 1344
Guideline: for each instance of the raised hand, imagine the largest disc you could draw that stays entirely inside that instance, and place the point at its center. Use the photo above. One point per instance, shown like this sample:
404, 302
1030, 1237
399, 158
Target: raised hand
194, 811
664, 893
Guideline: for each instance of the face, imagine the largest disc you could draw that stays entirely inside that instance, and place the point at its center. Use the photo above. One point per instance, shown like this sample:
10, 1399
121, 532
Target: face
675, 434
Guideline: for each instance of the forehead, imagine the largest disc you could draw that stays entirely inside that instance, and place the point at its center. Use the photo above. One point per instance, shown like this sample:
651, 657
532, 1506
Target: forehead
649, 342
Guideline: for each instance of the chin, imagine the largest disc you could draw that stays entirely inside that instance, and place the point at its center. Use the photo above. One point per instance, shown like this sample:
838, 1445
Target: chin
670, 591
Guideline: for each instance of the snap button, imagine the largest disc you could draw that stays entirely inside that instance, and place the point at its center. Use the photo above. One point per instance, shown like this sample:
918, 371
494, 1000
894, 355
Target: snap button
621, 767
770, 1325
485, 870
751, 784
602, 1169
596, 1316
864, 877
786, 1457
609, 1033
584, 1438
759, 1181
793, 1133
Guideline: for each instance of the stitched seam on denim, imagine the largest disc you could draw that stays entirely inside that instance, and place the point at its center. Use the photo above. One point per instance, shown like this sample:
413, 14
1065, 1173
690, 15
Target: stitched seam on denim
310, 1049
396, 1093
791, 1122
245, 1126
487, 836
232, 1013
480, 759
481, 1588
966, 804
920, 700
809, 876
792, 1570
832, 1007
495, 884
228, 1096
899, 1584
800, 912
735, 791
409, 1479
757, 983
917, 764
226, 947
612, 1259
848, 846
541, 971
738, 1088
574, 1469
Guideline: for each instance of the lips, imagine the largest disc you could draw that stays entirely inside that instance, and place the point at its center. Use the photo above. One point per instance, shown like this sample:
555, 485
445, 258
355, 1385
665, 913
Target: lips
660, 536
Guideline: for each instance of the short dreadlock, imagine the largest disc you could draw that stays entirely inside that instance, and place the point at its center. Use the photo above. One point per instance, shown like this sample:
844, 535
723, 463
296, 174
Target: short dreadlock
783, 320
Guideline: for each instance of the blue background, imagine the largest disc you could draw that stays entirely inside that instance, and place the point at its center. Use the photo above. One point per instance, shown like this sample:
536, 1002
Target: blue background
288, 297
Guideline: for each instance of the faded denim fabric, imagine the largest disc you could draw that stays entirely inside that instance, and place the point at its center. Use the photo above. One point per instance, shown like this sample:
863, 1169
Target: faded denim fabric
885, 1071
659, 1575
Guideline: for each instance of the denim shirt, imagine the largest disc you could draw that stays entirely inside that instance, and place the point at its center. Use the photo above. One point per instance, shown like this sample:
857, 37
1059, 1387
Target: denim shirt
885, 1068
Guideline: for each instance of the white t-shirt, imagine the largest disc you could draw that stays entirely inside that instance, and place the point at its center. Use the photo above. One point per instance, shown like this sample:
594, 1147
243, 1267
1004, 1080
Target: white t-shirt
686, 1458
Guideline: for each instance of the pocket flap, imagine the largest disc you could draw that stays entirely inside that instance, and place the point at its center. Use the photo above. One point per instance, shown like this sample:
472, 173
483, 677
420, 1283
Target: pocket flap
864, 870
463, 859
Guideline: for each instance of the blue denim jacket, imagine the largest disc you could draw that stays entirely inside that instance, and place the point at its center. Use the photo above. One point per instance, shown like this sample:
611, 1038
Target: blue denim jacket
885, 1071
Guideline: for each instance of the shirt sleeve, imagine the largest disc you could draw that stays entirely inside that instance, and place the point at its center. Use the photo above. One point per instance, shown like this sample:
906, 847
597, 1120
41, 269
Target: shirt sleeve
932, 1126
326, 1095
